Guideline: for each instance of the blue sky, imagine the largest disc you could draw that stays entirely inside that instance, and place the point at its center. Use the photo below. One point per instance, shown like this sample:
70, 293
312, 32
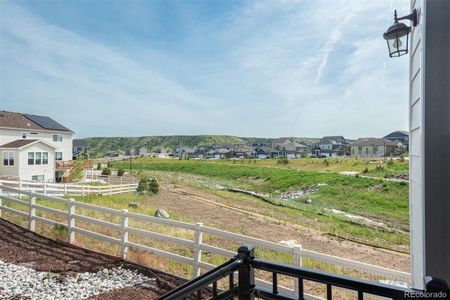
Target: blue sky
247, 68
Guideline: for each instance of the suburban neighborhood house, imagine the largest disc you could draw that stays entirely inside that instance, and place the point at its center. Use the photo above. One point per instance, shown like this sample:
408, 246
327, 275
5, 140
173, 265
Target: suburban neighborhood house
33, 147
400, 136
373, 147
330, 146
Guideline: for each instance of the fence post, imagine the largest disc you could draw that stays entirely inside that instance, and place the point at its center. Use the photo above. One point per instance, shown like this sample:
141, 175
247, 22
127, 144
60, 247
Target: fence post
110, 189
32, 214
45, 188
65, 188
198, 239
82, 189
124, 234
71, 220
297, 262
20, 184
246, 278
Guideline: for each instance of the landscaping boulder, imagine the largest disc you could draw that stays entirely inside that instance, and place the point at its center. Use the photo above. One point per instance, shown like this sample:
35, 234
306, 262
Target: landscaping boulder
161, 213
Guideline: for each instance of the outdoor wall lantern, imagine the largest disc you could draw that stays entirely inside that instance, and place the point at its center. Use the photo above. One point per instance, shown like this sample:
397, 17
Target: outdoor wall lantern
397, 34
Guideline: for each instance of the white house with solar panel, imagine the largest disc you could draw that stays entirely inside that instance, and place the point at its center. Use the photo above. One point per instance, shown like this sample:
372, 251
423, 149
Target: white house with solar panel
34, 147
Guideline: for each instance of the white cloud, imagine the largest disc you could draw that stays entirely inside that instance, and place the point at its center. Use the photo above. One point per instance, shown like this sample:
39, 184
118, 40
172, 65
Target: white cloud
304, 68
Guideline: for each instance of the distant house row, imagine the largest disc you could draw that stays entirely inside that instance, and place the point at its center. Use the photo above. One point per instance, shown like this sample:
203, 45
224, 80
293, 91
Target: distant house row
394, 143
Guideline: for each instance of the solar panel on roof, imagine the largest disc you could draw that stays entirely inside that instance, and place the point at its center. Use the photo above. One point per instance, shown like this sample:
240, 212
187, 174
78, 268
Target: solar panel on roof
46, 122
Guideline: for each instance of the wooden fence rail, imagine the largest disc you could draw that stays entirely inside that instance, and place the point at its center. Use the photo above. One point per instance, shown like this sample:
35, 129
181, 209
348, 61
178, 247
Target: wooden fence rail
197, 245
61, 189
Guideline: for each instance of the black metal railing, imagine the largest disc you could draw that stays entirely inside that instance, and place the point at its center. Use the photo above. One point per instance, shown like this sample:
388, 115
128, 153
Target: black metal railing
245, 263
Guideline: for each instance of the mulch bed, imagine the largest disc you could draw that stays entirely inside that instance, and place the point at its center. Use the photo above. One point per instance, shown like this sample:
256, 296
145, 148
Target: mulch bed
23, 247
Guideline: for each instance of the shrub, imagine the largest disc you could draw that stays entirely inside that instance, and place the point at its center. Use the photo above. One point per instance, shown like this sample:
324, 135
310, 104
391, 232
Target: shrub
402, 157
120, 172
143, 185
106, 171
326, 162
99, 166
148, 185
366, 170
282, 160
153, 185
109, 164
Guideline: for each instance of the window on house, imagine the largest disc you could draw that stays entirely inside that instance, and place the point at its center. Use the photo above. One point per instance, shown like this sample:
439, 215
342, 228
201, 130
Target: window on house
33, 133
8, 158
38, 158
57, 138
37, 177
58, 155
45, 158
24, 135
30, 158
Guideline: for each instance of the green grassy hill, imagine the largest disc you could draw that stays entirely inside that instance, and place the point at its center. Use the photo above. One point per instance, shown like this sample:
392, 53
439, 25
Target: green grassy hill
100, 145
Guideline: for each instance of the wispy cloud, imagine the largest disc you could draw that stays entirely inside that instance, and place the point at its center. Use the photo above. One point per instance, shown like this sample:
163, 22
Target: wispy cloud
263, 68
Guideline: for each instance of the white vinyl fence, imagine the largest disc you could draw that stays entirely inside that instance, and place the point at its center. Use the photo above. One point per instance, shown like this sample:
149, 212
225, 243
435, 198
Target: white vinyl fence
61, 189
197, 245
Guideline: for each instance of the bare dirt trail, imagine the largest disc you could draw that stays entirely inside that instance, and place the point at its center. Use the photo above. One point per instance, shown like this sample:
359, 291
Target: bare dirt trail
212, 210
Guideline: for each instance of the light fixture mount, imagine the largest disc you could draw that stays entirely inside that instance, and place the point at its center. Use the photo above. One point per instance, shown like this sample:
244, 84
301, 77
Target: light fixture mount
397, 34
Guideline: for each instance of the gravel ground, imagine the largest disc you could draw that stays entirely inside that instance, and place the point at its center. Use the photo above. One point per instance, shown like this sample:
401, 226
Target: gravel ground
31, 284
33, 263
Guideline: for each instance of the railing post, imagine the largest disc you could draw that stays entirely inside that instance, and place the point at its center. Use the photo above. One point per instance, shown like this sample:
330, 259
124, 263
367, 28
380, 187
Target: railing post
437, 286
71, 220
297, 262
198, 239
124, 234
246, 278
32, 214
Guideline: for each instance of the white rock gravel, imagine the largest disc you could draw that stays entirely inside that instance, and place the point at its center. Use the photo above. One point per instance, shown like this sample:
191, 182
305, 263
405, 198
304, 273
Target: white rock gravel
22, 282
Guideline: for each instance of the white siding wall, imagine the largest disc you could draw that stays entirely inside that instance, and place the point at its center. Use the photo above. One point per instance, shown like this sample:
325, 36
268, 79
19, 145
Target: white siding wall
26, 171
10, 170
416, 192
9, 135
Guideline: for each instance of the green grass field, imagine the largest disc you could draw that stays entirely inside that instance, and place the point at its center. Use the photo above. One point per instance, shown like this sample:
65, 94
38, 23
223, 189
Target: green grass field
377, 200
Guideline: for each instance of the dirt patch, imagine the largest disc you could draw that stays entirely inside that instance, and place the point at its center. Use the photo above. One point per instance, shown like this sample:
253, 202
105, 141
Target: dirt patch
241, 217
22, 247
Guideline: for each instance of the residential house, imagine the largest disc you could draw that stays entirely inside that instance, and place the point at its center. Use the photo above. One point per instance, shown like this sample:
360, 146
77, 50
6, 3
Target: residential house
185, 152
401, 136
290, 149
132, 151
34, 147
143, 151
79, 149
219, 153
330, 146
373, 147
265, 152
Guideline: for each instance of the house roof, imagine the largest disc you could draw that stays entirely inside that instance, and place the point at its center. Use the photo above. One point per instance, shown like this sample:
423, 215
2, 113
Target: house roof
18, 144
395, 133
373, 142
79, 143
26, 121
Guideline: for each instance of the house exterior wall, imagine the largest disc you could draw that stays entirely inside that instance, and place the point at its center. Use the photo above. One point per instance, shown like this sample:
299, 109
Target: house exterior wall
10, 170
436, 138
9, 134
26, 171
416, 165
